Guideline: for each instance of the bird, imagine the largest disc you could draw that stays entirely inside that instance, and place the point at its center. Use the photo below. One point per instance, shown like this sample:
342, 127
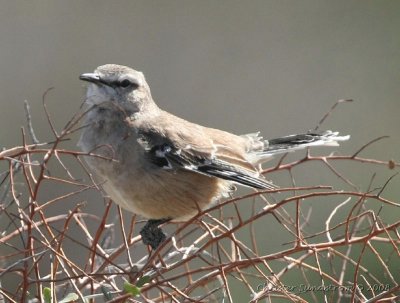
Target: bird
165, 168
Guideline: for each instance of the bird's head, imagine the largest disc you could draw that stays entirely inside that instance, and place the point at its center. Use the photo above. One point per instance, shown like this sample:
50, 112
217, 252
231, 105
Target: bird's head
118, 86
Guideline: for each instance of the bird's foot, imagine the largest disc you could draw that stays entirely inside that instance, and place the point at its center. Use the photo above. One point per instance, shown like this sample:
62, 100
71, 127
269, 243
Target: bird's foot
152, 234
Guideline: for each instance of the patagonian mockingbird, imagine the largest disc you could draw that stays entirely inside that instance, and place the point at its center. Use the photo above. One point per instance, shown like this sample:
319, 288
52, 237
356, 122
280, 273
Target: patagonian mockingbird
164, 167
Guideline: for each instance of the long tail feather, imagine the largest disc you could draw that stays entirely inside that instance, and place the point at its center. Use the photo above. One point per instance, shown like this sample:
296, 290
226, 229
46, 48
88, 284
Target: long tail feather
296, 142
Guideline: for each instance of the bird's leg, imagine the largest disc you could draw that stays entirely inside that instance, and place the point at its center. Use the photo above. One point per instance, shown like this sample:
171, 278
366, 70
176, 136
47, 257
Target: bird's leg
152, 234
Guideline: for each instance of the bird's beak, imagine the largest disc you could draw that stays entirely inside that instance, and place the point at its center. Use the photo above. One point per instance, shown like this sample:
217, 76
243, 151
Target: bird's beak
91, 77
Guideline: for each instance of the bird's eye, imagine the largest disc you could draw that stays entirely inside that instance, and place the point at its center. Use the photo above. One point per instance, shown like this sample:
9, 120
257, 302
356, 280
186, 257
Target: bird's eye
125, 83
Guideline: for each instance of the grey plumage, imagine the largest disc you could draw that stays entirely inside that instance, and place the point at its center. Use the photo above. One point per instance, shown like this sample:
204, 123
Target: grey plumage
165, 166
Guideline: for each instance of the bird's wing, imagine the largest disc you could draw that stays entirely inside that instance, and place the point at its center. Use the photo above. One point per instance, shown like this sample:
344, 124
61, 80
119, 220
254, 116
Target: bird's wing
183, 145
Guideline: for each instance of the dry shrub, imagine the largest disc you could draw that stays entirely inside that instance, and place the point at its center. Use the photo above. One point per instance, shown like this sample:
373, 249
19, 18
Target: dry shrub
54, 249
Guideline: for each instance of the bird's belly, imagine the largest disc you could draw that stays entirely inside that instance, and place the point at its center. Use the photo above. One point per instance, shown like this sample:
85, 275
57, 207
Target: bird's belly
165, 194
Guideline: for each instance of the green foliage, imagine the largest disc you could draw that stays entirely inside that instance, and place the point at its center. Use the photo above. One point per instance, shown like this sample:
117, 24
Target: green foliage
132, 289
47, 295
143, 280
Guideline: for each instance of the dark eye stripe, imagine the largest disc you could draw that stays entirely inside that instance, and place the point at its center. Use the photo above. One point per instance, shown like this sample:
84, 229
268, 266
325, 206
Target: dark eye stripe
124, 84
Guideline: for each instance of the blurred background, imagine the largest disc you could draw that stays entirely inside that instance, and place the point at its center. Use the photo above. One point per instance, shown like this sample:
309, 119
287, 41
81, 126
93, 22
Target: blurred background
273, 66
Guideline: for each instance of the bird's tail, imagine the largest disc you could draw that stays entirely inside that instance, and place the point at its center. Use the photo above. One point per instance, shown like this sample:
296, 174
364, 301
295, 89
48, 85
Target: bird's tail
295, 142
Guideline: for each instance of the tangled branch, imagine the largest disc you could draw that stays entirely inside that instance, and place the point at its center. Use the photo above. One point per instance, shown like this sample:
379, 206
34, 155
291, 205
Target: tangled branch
53, 248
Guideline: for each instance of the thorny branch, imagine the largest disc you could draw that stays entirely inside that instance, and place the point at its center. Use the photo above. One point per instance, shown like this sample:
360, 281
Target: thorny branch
351, 255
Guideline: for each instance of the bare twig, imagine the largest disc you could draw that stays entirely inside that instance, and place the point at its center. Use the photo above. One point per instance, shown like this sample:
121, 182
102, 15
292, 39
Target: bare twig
204, 258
